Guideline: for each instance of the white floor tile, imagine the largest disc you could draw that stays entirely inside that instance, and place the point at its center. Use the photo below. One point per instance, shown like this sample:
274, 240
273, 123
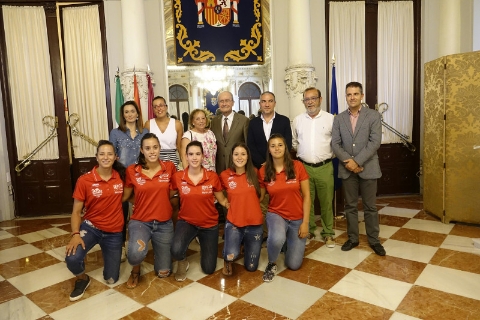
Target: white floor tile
125, 270
194, 301
463, 244
19, 252
20, 308
41, 278
289, 303
399, 212
380, 291
458, 282
385, 231
336, 256
428, 225
195, 270
107, 305
5, 235
42, 235
58, 253
401, 316
410, 251
1, 278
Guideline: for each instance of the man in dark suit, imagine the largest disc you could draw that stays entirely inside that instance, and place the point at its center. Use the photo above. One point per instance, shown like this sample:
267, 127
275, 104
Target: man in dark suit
229, 128
356, 137
262, 127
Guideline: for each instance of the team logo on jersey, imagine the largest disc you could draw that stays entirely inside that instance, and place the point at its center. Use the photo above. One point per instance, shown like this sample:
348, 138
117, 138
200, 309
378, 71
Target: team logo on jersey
207, 189
140, 181
271, 183
232, 185
165, 177
118, 188
291, 181
97, 192
185, 190
95, 185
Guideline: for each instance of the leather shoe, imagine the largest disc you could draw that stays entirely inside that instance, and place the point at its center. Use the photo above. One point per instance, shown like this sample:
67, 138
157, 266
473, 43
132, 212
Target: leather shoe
378, 249
349, 245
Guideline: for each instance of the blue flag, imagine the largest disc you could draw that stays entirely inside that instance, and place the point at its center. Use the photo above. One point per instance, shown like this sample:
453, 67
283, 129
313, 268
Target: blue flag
334, 111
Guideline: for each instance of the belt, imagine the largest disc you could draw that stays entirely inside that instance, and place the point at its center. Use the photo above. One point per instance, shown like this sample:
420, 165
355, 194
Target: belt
316, 165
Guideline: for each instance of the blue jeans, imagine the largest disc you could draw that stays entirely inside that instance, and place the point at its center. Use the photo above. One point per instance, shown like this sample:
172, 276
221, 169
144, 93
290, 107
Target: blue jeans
111, 245
252, 237
279, 231
161, 234
208, 238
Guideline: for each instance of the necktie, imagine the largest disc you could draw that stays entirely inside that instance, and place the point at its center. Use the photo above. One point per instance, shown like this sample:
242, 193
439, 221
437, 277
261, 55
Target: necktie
225, 129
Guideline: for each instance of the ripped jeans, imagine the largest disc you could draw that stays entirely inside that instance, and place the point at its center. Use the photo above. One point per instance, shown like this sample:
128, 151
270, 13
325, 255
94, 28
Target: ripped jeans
111, 245
161, 234
252, 237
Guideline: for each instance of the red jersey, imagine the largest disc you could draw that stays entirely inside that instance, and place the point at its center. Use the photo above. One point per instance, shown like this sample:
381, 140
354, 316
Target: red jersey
244, 203
197, 201
102, 200
152, 196
285, 196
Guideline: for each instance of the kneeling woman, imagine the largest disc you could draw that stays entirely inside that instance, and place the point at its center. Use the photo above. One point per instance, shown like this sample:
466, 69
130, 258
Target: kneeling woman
100, 192
244, 217
286, 182
198, 216
152, 216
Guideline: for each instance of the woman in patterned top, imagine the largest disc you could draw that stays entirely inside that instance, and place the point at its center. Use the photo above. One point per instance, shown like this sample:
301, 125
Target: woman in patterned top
199, 131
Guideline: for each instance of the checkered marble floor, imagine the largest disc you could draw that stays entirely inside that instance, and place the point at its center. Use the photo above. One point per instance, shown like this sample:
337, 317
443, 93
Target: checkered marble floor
431, 271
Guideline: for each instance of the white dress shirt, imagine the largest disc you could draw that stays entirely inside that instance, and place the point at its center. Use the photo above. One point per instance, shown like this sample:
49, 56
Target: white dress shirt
267, 126
312, 136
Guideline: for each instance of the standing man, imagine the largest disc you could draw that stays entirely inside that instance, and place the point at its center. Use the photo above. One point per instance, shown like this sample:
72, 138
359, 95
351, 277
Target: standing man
260, 129
312, 136
229, 128
356, 137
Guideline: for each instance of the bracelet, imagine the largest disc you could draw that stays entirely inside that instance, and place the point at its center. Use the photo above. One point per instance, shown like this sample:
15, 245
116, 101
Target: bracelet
74, 233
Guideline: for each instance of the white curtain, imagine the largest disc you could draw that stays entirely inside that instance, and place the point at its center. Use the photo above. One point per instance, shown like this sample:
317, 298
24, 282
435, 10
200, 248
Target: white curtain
347, 43
30, 79
255, 107
395, 66
244, 105
85, 76
183, 106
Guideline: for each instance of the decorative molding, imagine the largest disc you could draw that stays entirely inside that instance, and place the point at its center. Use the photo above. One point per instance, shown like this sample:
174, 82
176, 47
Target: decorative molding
298, 78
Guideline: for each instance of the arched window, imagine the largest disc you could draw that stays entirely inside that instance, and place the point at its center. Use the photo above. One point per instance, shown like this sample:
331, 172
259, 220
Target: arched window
249, 98
178, 100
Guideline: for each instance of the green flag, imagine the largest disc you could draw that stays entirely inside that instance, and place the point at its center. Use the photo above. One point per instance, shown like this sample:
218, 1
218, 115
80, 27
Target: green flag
118, 99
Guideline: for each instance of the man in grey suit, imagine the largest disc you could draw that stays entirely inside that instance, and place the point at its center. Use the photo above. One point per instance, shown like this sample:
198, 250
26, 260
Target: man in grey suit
229, 128
356, 137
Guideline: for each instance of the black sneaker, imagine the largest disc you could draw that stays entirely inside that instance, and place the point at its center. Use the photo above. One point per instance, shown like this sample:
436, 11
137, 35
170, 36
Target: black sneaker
80, 287
270, 271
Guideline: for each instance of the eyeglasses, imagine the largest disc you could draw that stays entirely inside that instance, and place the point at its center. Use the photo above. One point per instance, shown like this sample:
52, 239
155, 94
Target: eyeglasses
161, 106
307, 100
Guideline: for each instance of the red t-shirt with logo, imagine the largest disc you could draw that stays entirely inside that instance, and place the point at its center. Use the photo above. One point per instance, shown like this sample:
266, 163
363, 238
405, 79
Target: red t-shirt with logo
197, 201
285, 196
152, 196
244, 203
102, 200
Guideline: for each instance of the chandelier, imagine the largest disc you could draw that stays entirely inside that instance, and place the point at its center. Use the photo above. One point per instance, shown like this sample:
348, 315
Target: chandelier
213, 78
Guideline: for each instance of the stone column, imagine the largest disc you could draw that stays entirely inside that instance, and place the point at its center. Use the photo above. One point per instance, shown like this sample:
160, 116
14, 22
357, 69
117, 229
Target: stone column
135, 51
195, 104
449, 39
300, 73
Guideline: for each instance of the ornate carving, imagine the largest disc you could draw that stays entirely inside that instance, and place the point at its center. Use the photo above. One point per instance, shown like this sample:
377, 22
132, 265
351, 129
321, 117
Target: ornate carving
298, 78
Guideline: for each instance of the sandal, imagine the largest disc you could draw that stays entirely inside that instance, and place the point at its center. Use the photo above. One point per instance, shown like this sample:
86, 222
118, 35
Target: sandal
227, 268
135, 276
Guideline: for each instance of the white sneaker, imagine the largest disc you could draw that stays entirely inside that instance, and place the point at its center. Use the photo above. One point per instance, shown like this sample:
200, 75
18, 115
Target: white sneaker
329, 241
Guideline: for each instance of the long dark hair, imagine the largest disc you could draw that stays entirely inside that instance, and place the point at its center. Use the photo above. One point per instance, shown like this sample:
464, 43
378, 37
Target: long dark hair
249, 168
123, 124
270, 174
117, 166
141, 157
